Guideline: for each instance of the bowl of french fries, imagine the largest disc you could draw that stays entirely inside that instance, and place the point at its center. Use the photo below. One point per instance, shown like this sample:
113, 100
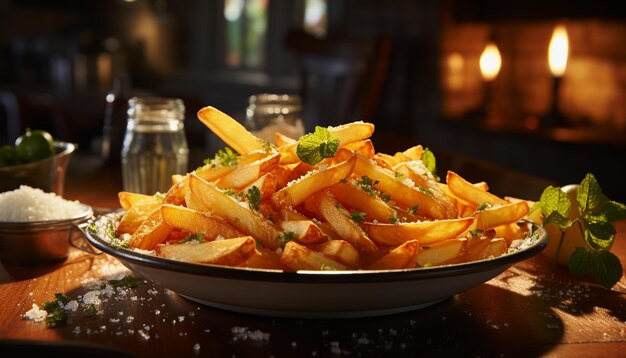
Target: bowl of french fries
318, 226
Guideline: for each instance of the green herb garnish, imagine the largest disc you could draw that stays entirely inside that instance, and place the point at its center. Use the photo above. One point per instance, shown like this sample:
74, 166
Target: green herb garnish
483, 206
224, 157
367, 185
425, 190
428, 158
199, 237
253, 197
596, 218
286, 236
126, 282
357, 217
314, 147
56, 314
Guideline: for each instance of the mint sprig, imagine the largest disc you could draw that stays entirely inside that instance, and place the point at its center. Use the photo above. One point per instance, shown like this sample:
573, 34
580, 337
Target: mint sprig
314, 147
596, 218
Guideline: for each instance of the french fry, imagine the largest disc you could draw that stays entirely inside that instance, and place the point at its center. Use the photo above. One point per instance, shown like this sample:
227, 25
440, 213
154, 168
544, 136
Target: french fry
403, 256
245, 174
127, 199
230, 130
267, 184
499, 215
415, 152
468, 192
298, 257
138, 213
341, 251
350, 195
426, 232
339, 220
239, 216
400, 191
176, 193
422, 177
150, 233
282, 139
228, 252
306, 231
195, 221
298, 191
264, 258
497, 247
441, 252
476, 245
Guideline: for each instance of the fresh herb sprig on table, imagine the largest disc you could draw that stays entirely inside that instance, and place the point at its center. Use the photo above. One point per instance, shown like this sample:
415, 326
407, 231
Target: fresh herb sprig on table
596, 223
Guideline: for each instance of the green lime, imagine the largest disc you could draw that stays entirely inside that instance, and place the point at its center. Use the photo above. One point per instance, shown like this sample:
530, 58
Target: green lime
33, 147
46, 134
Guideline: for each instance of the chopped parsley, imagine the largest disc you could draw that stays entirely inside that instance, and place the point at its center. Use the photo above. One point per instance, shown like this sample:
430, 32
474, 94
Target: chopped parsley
483, 206
225, 157
393, 219
357, 217
126, 282
286, 236
229, 192
56, 314
367, 185
253, 197
199, 237
413, 209
476, 232
425, 190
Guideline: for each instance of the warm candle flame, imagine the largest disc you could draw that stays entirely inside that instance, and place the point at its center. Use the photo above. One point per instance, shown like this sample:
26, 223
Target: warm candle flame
558, 51
490, 62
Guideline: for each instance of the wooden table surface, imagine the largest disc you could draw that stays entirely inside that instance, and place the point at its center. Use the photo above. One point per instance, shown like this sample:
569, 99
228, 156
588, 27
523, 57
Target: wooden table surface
526, 311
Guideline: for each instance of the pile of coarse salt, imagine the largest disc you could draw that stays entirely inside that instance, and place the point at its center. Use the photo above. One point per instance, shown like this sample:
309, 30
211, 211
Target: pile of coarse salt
33, 204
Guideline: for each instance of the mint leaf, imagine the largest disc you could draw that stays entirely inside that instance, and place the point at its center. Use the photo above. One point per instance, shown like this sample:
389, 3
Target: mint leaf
589, 194
553, 199
314, 147
579, 262
606, 268
559, 220
428, 158
599, 234
611, 211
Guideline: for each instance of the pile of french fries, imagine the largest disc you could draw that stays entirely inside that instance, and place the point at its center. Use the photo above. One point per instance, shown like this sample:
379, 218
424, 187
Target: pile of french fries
359, 210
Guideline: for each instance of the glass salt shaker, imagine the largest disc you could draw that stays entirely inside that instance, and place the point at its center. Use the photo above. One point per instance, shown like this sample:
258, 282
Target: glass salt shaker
155, 146
268, 113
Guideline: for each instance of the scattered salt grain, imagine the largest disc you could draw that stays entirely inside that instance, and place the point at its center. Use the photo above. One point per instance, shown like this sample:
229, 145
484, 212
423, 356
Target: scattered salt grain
35, 314
36, 205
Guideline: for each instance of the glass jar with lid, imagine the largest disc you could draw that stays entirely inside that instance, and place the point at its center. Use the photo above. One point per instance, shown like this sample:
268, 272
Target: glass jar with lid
155, 146
268, 113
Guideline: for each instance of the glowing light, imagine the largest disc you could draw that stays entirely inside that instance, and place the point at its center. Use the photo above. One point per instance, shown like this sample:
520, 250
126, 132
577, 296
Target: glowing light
490, 62
558, 51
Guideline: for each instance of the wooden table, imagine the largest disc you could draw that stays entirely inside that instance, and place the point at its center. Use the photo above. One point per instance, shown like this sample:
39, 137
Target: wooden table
526, 311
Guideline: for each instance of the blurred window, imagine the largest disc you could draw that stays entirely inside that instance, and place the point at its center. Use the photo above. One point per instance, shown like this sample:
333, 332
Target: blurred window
246, 32
315, 17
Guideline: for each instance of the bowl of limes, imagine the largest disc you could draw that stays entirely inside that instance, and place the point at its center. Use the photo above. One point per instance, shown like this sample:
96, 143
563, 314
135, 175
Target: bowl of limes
37, 160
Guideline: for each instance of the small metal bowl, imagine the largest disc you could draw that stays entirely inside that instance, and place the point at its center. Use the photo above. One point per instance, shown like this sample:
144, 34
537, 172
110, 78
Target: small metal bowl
47, 174
39, 242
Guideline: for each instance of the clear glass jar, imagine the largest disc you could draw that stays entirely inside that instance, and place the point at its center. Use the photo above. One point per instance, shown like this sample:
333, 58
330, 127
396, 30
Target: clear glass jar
268, 113
155, 146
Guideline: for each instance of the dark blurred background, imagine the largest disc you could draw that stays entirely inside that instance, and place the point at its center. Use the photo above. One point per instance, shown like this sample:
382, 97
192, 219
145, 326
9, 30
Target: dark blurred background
413, 68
